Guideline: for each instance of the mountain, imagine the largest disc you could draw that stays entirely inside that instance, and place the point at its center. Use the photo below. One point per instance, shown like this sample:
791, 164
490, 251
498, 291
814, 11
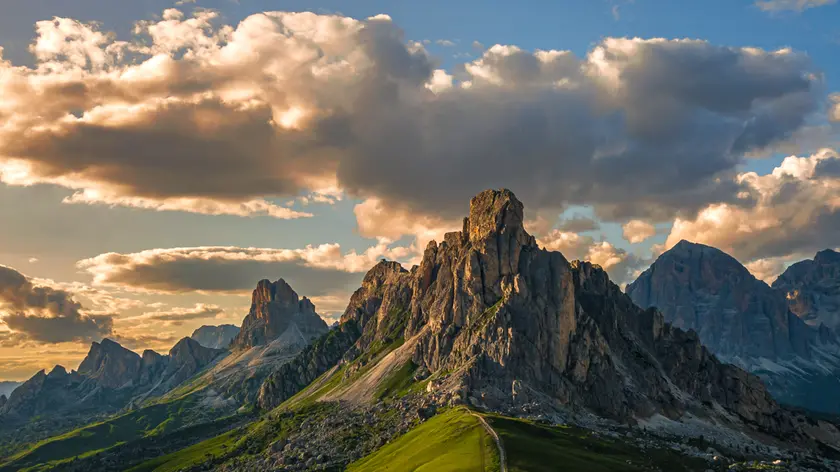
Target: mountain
6, 387
108, 379
489, 337
215, 337
162, 401
744, 321
498, 323
276, 310
812, 289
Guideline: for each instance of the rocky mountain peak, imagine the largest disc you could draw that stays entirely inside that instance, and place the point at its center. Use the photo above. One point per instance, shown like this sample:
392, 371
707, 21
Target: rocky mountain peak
492, 212
110, 364
827, 256
277, 292
58, 371
275, 306
702, 288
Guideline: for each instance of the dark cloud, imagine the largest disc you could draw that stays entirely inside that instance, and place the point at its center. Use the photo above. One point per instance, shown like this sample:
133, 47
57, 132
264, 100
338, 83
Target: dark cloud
45, 314
637, 128
578, 224
311, 271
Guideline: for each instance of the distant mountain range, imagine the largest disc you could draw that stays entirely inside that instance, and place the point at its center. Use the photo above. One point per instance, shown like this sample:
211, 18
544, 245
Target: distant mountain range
786, 333
491, 329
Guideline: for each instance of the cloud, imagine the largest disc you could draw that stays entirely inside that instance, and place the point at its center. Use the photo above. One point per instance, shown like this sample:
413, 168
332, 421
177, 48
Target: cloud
578, 224
621, 265
194, 115
312, 271
638, 231
33, 260
791, 5
797, 211
445, 43
44, 314
176, 316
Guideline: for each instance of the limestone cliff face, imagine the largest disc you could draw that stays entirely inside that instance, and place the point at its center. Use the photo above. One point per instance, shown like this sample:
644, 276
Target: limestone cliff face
701, 288
275, 308
812, 289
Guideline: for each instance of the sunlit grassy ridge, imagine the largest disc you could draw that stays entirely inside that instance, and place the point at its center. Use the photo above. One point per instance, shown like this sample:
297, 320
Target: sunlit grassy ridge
451, 441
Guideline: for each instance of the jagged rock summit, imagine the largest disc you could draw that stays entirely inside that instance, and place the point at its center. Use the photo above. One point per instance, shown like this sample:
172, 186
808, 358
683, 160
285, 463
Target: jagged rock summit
502, 324
216, 337
276, 310
812, 289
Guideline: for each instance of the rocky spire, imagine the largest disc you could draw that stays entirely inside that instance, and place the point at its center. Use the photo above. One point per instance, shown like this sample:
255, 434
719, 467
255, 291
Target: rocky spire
274, 307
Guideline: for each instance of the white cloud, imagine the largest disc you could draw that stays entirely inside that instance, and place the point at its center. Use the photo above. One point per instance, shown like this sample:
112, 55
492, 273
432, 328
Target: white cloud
195, 115
796, 211
638, 231
313, 270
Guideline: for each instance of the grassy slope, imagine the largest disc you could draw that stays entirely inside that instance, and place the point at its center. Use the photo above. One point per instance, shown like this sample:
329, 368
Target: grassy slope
451, 441
537, 448
155, 419
196, 454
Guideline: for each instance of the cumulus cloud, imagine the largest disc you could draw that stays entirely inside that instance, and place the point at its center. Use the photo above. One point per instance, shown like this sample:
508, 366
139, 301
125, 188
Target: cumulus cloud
797, 211
791, 5
638, 231
194, 115
44, 314
621, 265
313, 270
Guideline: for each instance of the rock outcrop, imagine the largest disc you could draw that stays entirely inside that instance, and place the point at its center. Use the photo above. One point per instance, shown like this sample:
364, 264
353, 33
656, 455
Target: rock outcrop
276, 309
812, 290
3, 400
502, 324
216, 337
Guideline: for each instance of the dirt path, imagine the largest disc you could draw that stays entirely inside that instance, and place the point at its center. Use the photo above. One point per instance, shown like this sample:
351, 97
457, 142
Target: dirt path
498, 441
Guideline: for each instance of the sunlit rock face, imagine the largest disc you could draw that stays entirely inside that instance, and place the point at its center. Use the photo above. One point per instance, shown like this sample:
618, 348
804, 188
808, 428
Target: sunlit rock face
276, 310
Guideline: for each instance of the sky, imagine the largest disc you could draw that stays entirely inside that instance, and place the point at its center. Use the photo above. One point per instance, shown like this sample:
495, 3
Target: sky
158, 158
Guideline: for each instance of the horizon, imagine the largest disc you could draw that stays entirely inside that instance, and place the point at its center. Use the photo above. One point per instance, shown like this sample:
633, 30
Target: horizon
157, 160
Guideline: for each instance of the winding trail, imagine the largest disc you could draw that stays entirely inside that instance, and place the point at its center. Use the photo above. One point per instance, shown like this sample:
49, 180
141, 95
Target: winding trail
497, 439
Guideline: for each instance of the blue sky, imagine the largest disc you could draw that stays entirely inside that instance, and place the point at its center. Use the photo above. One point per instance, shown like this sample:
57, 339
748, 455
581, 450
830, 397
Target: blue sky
116, 256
